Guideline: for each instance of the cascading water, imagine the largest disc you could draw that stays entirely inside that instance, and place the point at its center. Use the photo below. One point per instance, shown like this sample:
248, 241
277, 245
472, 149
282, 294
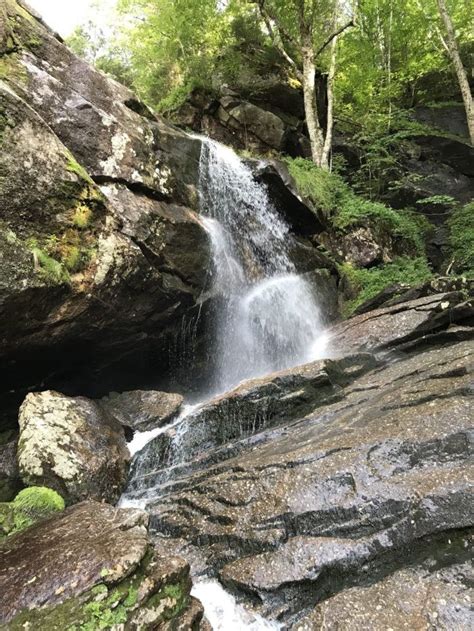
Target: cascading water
269, 320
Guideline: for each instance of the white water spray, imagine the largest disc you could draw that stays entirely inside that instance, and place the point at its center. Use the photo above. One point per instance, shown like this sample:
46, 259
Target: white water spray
270, 320
223, 612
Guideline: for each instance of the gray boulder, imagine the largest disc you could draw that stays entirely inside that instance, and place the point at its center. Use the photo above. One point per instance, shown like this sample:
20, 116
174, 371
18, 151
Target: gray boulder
93, 567
73, 446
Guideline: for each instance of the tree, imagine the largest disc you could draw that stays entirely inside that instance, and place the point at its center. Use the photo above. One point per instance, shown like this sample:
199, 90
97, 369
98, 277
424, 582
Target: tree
451, 45
303, 30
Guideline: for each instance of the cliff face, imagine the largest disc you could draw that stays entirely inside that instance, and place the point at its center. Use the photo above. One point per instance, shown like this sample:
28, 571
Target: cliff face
102, 250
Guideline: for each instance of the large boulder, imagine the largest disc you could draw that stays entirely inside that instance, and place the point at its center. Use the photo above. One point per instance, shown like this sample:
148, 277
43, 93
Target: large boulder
103, 278
92, 567
73, 446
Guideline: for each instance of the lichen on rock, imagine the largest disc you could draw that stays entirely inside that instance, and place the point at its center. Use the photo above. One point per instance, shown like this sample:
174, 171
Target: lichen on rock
73, 446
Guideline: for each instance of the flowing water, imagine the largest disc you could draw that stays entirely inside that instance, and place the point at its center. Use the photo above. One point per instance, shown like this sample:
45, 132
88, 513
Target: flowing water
267, 319
270, 319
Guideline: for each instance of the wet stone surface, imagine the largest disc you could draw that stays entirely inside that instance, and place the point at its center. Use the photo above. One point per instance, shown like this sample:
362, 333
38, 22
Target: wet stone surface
362, 468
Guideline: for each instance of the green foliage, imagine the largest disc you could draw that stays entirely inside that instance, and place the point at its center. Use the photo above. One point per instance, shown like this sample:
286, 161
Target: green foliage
367, 283
461, 239
344, 209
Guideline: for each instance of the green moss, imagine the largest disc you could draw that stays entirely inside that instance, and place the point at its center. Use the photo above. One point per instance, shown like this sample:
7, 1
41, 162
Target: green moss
28, 507
51, 269
461, 239
178, 597
367, 283
82, 216
344, 209
74, 167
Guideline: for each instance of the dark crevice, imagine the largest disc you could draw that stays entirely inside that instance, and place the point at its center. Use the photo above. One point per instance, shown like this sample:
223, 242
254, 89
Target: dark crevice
136, 187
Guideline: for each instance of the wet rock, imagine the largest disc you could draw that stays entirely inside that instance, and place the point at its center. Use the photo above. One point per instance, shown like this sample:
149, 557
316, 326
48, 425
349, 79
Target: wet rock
389, 326
426, 596
73, 446
10, 482
255, 405
296, 511
91, 566
143, 409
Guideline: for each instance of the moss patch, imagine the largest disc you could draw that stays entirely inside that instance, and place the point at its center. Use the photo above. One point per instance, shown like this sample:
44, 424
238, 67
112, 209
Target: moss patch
367, 283
28, 507
106, 606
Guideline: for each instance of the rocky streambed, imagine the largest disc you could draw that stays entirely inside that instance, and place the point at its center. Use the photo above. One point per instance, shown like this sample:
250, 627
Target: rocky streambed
348, 480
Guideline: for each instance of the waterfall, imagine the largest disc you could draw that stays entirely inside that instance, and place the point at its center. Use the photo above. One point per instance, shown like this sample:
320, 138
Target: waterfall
269, 319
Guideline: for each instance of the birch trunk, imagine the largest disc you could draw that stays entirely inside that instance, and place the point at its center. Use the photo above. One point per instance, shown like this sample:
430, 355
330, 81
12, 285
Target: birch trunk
310, 104
461, 73
330, 94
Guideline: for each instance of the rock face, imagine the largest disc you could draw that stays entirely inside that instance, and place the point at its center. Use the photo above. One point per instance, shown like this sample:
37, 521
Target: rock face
92, 567
268, 119
434, 594
143, 410
102, 278
10, 482
361, 470
73, 446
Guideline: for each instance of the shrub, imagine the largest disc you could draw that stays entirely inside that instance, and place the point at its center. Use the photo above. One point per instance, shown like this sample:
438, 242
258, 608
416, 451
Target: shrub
344, 209
461, 239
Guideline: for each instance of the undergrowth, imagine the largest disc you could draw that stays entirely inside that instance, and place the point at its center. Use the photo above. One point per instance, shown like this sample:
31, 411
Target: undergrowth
344, 209
367, 283
461, 239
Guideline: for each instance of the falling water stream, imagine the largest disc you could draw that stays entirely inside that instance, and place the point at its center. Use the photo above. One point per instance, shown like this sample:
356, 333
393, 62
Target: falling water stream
268, 320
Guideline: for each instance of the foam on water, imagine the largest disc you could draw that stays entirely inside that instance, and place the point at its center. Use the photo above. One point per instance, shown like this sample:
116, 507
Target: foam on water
224, 613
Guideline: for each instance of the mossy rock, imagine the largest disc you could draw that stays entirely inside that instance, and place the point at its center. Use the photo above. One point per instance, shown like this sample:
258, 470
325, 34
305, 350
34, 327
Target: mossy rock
28, 507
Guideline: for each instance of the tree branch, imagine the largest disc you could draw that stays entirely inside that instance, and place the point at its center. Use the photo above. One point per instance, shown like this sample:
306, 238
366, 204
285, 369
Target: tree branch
277, 39
340, 30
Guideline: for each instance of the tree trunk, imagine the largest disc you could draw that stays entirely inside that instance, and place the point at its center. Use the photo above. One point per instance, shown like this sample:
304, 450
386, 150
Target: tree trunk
310, 104
455, 57
330, 94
